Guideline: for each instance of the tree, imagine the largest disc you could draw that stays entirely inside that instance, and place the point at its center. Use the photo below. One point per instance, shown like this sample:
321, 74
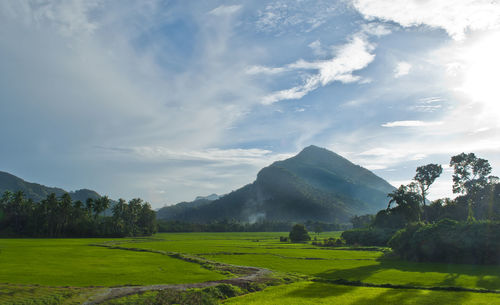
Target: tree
470, 176
407, 200
318, 228
470, 173
65, 211
89, 206
362, 221
100, 205
425, 176
299, 233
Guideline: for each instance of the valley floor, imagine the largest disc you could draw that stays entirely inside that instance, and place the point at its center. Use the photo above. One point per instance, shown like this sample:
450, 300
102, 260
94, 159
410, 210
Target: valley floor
75, 271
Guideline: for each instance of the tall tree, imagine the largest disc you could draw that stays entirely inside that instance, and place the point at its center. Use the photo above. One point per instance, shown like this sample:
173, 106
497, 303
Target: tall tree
425, 176
407, 200
470, 176
100, 205
65, 211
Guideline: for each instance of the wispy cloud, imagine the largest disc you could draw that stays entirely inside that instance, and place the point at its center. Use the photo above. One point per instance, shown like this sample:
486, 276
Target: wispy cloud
225, 10
350, 57
279, 17
410, 124
428, 104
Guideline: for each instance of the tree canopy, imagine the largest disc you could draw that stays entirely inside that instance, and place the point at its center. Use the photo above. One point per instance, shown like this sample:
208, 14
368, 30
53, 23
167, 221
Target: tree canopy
299, 233
425, 176
62, 217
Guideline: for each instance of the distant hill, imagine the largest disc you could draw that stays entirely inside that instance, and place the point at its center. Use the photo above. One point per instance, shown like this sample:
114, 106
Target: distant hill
209, 197
316, 184
171, 212
38, 192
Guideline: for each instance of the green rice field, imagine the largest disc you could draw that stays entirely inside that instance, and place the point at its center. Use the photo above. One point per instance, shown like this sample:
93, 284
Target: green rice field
67, 271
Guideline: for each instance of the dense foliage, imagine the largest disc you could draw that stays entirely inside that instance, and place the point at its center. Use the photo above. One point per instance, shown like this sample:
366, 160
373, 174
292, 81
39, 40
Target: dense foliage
299, 234
362, 221
479, 200
62, 217
449, 241
368, 236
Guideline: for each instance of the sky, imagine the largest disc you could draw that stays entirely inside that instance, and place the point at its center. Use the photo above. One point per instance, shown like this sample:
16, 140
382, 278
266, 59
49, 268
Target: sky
168, 100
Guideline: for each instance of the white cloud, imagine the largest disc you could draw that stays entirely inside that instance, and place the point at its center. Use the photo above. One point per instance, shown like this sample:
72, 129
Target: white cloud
375, 28
402, 69
410, 124
225, 10
316, 48
456, 17
264, 70
350, 57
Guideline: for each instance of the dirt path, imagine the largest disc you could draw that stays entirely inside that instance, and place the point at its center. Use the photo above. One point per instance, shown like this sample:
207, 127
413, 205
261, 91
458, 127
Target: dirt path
248, 274
256, 274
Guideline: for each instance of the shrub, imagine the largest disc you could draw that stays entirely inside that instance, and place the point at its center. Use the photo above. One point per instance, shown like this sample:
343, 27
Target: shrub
228, 290
330, 242
368, 236
449, 241
299, 234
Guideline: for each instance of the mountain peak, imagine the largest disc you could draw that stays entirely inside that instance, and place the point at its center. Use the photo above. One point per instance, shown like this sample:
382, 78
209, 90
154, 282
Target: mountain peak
314, 150
316, 184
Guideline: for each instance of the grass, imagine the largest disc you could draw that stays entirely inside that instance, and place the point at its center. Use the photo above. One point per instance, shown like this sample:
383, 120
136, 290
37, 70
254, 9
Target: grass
304, 293
19, 294
75, 263
72, 262
265, 250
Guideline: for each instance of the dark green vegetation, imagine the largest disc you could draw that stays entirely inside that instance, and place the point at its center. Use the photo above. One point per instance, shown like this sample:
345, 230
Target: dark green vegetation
317, 185
38, 192
299, 234
63, 217
449, 241
463, 230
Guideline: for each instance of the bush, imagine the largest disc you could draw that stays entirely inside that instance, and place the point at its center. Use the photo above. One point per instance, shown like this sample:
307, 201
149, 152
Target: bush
228, 290
449, 241
191, 296
299, 234
368, 236
330, 242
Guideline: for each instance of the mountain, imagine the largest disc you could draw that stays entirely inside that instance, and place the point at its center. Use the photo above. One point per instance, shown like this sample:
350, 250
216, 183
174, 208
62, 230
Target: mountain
38, 192
316, 184
211, 197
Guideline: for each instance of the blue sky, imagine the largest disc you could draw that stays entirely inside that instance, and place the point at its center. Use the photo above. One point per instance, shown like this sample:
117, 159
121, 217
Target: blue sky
167, 100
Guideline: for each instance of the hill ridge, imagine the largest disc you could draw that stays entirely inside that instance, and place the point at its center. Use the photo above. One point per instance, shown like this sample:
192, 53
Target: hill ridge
315, 184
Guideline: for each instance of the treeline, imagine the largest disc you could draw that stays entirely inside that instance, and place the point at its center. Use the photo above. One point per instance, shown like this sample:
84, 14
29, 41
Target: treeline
62, 217
414, 228
235, 226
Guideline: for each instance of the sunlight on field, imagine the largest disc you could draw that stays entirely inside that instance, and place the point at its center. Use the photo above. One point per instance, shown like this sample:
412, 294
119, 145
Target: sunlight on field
304, 293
